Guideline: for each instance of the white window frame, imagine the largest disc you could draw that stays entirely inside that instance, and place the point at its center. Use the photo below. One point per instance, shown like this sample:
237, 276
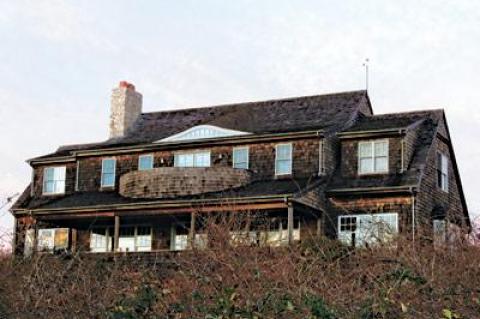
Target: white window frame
144, 156
443, 171
44, 181
290, 158
341, 235
114, 172
373, 157
194, 154
236, 149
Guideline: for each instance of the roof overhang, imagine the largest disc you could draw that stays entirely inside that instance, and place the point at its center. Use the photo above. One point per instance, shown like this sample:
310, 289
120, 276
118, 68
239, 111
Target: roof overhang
372, 190
372, 133
171, 145
196, 204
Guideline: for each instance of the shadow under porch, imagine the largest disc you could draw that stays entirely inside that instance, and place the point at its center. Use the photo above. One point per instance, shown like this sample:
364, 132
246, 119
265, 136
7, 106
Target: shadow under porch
157, 231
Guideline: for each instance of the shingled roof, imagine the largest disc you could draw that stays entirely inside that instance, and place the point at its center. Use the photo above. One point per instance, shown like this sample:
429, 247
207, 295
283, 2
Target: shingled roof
329, 112
263, 188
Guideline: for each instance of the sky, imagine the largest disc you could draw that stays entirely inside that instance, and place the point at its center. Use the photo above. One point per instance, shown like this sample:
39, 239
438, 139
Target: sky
60, 60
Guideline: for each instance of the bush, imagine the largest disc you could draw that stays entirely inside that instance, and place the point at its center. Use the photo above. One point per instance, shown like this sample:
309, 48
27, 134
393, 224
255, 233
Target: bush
317, 279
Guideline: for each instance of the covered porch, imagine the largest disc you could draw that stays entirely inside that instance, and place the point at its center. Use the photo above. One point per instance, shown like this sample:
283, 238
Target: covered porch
278, 223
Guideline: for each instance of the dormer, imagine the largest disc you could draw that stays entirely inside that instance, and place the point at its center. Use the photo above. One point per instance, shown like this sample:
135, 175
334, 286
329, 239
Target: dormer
202, 132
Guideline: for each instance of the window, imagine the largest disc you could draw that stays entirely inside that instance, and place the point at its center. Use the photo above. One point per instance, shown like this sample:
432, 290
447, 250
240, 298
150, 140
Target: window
358, 230
283, 159
52, 239
144, 239
54, 180
240, 157
442, 172
439, 231
145, 162
203, 132
108, 172
131, 238
373, 157
101, 240
197, 159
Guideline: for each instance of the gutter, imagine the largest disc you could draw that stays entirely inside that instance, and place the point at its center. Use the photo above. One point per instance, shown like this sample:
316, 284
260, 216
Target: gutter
371, 190
372, 133
174, 145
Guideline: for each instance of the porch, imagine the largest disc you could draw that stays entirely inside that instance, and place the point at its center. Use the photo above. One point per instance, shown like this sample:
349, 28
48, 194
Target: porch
272, 224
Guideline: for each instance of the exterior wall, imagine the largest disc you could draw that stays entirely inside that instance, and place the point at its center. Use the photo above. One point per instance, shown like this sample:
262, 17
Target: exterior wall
168, 182
349, 156
430, 196
402, 205
261, 164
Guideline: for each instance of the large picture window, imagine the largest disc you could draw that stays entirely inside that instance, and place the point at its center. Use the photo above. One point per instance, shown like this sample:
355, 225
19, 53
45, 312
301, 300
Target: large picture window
373, 157
283, 159
108, 172
197, 159
54, 180
442, 172
358, 230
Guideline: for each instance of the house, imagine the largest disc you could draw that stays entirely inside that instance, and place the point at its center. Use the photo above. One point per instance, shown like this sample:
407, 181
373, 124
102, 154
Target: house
316, 164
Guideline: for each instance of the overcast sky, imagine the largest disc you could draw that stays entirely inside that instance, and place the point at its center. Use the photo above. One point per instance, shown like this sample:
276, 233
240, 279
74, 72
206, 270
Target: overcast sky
60, 60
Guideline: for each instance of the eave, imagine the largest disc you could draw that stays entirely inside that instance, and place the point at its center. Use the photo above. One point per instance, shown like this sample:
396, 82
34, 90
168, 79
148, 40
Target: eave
409, 189
138, 148
158, 204
372, 133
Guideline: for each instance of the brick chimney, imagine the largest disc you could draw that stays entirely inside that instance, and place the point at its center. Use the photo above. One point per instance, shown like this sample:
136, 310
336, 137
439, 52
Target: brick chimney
125, 108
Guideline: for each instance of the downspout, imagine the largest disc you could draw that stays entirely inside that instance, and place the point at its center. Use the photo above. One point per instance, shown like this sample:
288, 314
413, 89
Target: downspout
412, 190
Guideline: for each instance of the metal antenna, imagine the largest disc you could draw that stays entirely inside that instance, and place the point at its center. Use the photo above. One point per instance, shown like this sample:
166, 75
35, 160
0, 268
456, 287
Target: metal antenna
365, 64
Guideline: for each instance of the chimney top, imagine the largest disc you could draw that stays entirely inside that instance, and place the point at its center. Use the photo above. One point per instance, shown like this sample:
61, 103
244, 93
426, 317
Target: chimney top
127, 85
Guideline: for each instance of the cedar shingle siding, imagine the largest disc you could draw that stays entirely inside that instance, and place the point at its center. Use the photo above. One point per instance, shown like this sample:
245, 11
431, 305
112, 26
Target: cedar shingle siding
338, 121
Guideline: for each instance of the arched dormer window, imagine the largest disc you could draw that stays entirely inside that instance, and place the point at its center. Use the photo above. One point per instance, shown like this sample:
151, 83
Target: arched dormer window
202, 132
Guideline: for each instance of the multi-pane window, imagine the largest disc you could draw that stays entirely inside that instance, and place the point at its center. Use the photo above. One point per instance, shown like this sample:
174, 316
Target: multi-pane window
283, 159
52, 239
442, 172
373, 157
145, 162
240, 157
54, 180
108, 172
100, 240
358, 230
197, 159
144, 238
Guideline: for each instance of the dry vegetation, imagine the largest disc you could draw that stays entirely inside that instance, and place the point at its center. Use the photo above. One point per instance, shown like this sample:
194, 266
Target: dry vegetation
315, 279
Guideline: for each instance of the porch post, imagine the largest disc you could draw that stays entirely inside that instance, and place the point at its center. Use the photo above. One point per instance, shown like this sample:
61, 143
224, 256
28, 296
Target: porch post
191, 235
290, 223
116, 233
74, 240
35, 238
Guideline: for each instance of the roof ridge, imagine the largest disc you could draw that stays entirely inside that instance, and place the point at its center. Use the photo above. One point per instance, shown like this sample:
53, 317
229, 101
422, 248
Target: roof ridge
257, 101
